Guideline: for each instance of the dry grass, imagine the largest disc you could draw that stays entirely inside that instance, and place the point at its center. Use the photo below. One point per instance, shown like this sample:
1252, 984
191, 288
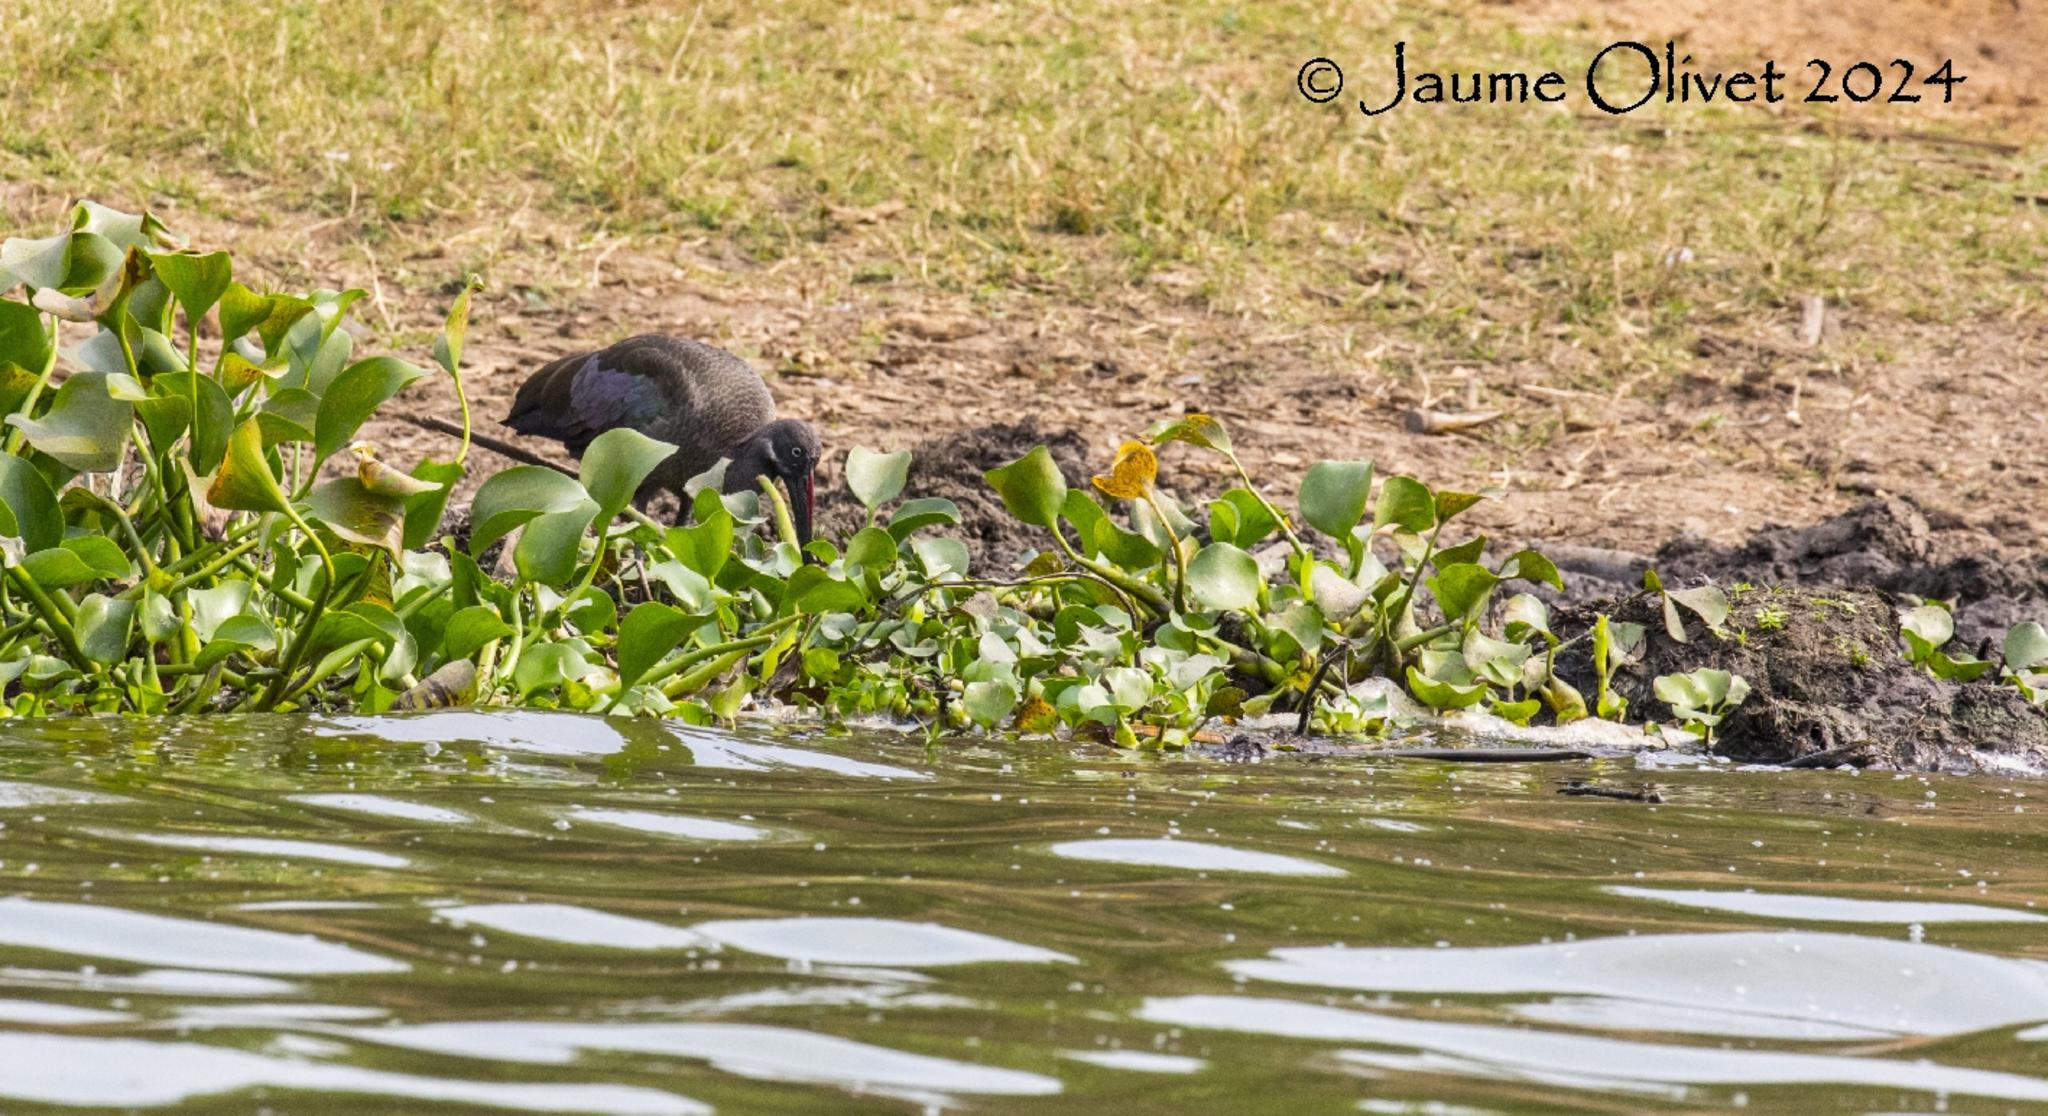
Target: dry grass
1038, 151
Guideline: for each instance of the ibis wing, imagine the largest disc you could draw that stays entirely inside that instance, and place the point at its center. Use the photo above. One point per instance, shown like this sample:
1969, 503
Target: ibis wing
582, 395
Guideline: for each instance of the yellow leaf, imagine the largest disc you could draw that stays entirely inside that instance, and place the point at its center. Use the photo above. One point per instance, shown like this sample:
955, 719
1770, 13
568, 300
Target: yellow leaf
1035, 716
1131, 476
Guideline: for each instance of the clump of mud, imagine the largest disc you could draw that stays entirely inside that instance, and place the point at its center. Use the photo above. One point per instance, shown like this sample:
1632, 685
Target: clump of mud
1829, 686
951, 466
1890, 545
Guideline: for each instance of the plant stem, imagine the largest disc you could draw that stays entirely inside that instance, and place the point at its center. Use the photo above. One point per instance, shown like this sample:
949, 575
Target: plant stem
274, 585
1280, 517
35, 391
1180, 562
679, 686
304, 640
1122, 580
55, 618
783, 524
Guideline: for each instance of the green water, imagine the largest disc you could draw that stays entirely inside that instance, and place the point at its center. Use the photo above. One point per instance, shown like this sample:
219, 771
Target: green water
529, 912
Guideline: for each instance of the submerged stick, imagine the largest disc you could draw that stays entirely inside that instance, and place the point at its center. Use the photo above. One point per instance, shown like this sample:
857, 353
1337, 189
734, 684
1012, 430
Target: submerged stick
1620, 794
1481, 755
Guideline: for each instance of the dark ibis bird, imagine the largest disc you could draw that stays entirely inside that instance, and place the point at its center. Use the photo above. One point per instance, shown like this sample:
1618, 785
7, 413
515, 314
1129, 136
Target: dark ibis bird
707, 402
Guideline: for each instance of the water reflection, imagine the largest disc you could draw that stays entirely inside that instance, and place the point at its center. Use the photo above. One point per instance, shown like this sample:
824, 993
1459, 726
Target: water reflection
521, 912
1747, 982
747, 1050
17, 796
1824, 908
279, 848
870, 941
1571, 1061
73, 1071
149, 939
671, 825
1196, 856
560, 922
380, 806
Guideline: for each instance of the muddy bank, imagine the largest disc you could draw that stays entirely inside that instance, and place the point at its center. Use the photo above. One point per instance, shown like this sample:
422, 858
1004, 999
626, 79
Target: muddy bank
1815, 630
1886, 545
1829, 686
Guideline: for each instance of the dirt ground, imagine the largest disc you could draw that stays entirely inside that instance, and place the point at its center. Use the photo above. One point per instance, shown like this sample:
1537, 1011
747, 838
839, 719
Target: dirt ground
1762, 430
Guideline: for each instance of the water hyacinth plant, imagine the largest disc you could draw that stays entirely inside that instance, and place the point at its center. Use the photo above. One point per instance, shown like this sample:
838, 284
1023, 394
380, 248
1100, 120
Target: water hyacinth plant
190, 521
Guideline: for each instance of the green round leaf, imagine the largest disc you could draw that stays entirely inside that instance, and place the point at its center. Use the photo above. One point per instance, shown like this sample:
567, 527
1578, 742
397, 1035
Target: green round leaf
615, 465
2026, 646
931, 511
1334, 494
649, 634
28, 506
873, 548
353, 397
1032, 488
423, 510
987, 703
517, 495
1224, 578
103, 626
1462, 588
245, 482
1336, 595
690, 588
75, 261
942, 559
196, 281
545, 665
354, 512
1443, 695
1405, 503
78, 561
86, 428
551, 543
814, 591
876, 478
212, 606
1930, 625
469, 629
23, 340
